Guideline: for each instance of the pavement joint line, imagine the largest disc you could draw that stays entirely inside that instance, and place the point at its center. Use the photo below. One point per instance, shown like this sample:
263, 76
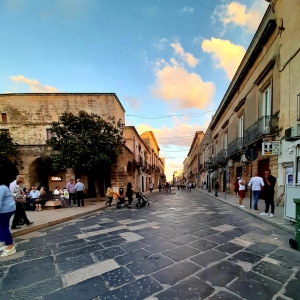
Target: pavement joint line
251, 213
56, 222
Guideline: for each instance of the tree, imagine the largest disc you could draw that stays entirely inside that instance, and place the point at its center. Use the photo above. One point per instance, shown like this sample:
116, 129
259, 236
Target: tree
8, 149
84, 143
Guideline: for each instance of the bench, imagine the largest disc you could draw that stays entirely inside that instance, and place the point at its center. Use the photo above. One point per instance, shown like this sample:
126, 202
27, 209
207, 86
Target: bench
52, 203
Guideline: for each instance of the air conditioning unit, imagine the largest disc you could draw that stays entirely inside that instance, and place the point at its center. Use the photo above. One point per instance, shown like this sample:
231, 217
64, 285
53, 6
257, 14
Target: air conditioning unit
244, 159
292, 133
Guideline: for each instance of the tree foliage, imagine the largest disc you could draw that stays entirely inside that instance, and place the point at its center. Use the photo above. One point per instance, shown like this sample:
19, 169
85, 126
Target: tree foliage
84, 142
7, 147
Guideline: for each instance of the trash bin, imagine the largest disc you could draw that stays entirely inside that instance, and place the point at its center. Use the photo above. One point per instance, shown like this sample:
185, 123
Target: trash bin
295, 243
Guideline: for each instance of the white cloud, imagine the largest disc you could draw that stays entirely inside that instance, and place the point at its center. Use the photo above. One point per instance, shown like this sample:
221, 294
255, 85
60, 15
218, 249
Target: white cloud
175, 85
186, 56
188, 10
225, 54
134, 103
160, 44
34, 85
198, 40
240, 15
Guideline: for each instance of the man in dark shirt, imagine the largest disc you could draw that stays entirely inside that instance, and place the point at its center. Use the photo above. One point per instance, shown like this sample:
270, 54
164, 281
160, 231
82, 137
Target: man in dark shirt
270, 182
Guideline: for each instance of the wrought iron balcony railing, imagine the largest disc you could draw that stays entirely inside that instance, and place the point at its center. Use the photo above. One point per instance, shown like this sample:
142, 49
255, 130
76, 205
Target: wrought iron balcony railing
139, 161
236, 145
213, 160
157, 169
221, 155
264, 126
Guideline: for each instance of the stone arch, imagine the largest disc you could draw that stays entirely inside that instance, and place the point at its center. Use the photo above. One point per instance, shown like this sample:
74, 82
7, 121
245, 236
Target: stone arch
39, 171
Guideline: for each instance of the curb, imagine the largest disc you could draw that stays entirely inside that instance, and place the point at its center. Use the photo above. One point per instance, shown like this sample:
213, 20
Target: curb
252, 214
55, 222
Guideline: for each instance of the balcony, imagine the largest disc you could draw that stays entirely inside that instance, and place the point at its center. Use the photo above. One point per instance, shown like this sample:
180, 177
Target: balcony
213, 160
157, 170
139, 161
267, 125
221, 155
235, 146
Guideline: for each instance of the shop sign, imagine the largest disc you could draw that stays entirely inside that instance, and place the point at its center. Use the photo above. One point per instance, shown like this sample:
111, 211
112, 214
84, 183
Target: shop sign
271, 148
56, 179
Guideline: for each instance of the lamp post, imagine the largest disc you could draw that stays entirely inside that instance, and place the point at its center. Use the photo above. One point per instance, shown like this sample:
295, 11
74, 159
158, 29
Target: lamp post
210, 170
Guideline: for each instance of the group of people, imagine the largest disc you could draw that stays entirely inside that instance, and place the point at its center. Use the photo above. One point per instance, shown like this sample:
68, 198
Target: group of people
130, 191
258, 184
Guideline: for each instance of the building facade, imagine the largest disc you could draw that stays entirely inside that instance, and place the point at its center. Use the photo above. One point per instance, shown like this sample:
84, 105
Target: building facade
261, 106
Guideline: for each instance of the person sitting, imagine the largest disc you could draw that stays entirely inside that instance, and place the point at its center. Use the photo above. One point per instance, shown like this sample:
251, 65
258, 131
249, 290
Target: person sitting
60, 193
34, 195
27, 198
42, 199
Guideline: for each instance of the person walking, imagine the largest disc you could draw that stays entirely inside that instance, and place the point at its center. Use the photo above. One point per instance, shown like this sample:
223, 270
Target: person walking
216, 187
151, 186
190, 186
204, 186
129, 192
159, 187
7, 209
269, 182
256, 183
72, 192
242, 191
109, 195
79, 188
20, 211
236, 188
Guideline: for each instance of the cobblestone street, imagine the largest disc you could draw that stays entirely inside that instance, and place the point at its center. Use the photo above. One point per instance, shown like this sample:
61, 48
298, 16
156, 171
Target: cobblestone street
185, 245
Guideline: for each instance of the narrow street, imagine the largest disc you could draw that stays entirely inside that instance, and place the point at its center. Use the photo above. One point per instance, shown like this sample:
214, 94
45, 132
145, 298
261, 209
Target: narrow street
185, 245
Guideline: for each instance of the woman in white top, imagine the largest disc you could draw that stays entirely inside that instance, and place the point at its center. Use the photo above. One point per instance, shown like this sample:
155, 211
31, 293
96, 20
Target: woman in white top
242, 190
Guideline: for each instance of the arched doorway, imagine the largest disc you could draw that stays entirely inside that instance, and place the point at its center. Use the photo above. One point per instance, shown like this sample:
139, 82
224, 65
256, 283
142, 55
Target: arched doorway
39, 172
10, 171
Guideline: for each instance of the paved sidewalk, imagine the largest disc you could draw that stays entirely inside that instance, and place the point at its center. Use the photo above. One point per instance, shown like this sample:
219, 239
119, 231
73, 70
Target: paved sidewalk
47, 218
279, 210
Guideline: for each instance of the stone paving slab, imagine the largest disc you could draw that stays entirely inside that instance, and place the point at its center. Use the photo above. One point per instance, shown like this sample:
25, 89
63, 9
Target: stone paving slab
165, 251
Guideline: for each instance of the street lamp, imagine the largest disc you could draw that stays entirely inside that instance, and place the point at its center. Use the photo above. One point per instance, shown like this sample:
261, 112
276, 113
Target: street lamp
210, 170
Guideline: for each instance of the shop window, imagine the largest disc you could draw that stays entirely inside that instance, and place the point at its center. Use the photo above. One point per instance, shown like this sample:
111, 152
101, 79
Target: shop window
4, 117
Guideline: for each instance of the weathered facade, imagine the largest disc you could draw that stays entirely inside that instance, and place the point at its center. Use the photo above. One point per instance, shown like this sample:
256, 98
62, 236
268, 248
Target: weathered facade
28, 118
260, 104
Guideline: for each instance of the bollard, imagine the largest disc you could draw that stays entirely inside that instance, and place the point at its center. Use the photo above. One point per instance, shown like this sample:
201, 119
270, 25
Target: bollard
295, 244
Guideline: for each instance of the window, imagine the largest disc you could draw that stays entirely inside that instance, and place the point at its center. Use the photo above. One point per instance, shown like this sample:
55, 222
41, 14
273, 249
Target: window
225, 140
265, 105
4, 117
217, 148
241, 127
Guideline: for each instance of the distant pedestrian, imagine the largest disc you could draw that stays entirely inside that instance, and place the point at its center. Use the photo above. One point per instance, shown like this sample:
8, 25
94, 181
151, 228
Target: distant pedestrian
79, 187
109, 195
190, 186
7, 209
204, 186
242, 190
159, 187
216, 187
256, 184
151, 186
178, 187
72, 192
236, 188
167, 187
269, 182
129, 193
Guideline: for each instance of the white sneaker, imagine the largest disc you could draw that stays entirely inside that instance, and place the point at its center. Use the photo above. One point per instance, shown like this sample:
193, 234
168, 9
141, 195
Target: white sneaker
271, 215
8, 252
2, 246
263, 214
242, 206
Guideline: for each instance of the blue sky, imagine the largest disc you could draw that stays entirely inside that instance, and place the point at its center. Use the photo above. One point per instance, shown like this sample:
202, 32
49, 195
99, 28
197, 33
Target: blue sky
161, 57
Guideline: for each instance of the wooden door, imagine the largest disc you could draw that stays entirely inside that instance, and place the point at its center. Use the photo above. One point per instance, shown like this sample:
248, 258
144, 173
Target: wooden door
263, 165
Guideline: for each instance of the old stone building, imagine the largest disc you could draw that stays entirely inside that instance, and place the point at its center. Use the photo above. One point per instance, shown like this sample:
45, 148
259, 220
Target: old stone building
28, 118
261, 106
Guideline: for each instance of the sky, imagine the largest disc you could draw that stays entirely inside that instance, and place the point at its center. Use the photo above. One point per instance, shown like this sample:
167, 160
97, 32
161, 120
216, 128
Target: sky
169, 61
